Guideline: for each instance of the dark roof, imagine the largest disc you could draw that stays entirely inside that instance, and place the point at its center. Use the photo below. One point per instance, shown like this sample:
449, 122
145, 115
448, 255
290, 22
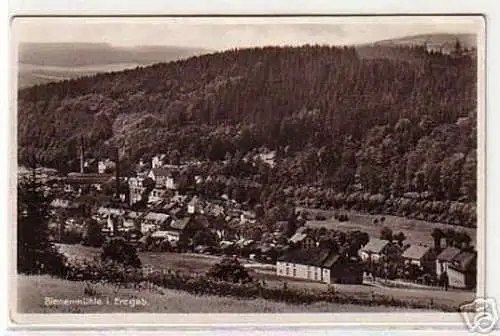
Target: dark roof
448, 254
79, 178
162, 172
311, 256
331, 260
464, 261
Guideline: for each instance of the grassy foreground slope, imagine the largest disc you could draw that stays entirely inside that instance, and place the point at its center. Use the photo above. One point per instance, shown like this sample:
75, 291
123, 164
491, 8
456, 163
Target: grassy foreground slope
32, 291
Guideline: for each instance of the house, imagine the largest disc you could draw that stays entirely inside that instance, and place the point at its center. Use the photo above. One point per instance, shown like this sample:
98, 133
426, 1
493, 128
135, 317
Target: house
75, 181
130, 219
164, 177
420, 255
106, 165
104, 212
195, 206
319, 264
302, 238
444, 259
136, 189
158, 161
63, 204
374, 249
187, 227
462, 271
157, 195
159, 220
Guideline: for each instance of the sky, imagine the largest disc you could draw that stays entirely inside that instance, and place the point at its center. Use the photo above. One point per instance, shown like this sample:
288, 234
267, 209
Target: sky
225, 33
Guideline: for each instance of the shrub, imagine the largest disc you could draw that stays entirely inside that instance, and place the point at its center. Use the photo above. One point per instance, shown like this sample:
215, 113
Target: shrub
229, 269
120, 251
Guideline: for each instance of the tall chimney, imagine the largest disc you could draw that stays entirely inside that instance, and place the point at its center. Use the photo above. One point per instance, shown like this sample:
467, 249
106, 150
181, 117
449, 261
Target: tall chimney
81, 156
117, 171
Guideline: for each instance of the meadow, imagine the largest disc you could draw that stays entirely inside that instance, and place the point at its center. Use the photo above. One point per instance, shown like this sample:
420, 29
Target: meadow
416, 231
190, 263
32, 291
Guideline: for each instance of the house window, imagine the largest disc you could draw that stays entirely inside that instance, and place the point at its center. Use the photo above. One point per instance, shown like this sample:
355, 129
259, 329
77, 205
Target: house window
315, 274
308, 272
287, 271
294, 272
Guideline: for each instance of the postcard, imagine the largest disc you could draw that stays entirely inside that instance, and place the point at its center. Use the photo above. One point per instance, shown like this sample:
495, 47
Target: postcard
228, 170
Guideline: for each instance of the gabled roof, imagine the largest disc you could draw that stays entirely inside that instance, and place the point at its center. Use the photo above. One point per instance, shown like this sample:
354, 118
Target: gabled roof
157, 217
448, 254
180, 224
464, 261
88, 178
133, 215
195, 200
331, 260
311, 256
416, 252
109, 211
161, 172
298, 237
375, 245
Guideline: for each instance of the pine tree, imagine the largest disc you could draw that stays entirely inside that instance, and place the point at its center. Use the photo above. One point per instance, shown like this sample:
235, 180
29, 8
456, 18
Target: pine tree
35, 253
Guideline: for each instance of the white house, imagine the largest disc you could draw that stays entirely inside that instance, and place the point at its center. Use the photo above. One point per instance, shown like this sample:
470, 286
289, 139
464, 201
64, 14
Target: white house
321, 265
195, 206
373, 250
445, 258
158, 161
163, 177
103, 165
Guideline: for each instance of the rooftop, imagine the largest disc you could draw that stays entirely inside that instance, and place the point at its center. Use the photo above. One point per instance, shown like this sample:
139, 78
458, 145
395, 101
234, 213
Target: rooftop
375, 245
416, 252
464, 261
448, 254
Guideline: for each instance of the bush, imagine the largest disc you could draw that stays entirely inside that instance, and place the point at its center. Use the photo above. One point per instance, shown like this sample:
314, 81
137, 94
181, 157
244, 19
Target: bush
120, 251
229, 269
93, 234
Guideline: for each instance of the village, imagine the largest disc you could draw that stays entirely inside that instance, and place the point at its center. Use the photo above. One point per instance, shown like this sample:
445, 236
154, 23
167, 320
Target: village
150, 212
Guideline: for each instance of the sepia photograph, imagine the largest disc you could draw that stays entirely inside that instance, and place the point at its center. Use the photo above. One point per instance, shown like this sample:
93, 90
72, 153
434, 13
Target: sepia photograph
243, 165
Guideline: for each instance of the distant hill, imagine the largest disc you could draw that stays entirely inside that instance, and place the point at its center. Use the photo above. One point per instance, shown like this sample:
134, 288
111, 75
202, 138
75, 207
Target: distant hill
435, 41
401, 48
41, 63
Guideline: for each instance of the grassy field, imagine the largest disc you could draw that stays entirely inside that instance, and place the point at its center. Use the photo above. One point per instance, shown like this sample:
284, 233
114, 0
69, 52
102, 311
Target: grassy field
194, 263
32, 291
416, 231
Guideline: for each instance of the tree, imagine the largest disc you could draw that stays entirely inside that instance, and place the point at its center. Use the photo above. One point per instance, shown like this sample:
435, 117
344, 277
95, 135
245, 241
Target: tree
93, 234
229, 269
35, 254
204, 237
437, 235
120, 251
400, 237
386, 233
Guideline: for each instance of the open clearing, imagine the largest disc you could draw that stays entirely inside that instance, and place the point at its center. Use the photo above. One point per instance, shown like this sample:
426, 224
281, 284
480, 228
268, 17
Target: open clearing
416, 231
32, 291
193, 263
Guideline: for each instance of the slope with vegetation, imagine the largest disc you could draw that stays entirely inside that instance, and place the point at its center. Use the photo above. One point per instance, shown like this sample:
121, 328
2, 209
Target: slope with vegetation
386, 134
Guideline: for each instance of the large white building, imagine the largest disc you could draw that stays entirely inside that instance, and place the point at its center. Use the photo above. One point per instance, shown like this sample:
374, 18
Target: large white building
321, 265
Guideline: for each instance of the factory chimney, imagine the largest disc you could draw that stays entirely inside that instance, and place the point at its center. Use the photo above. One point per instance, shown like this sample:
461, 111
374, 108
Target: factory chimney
82, 163
117, 172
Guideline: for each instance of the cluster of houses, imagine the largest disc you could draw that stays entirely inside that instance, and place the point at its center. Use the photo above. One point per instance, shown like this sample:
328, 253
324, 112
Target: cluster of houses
310, 262
175, 218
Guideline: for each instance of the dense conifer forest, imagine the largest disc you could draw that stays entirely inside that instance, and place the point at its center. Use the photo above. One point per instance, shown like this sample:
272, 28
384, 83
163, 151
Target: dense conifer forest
351, 128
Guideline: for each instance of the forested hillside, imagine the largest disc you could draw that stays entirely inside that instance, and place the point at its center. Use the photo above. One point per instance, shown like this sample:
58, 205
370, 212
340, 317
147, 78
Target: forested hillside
346, 124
